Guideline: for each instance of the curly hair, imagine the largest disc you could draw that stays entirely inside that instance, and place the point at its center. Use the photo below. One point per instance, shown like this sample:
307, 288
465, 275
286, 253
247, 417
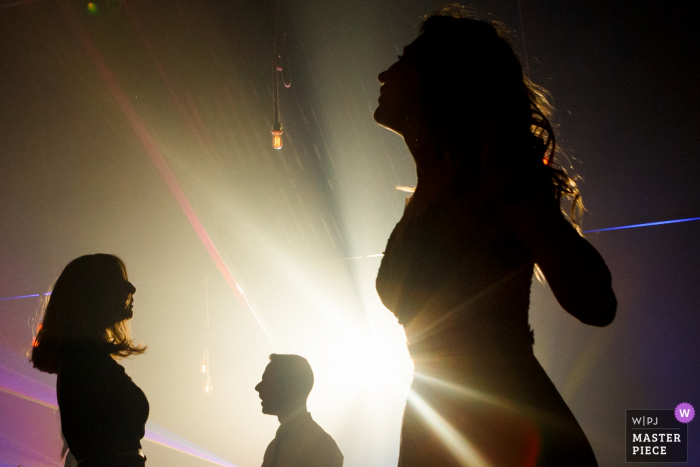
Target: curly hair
81, 308
474, 61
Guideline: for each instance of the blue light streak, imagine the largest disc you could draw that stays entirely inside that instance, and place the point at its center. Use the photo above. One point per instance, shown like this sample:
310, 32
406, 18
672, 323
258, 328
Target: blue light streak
25, 296
634, 226
621, 227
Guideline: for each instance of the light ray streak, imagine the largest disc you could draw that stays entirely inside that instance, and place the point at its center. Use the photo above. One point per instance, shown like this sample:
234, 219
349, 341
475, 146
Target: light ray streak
157, 158
522, 33
466, 392
26, 296
11, 392
502, 405
588, 359
24, 387
647, 224
22, 2
499, 402
631, 226
23, 446
458, 445
159, 435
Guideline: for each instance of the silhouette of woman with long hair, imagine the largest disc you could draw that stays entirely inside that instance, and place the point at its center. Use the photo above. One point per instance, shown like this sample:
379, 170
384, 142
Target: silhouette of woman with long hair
83, 330
458, 266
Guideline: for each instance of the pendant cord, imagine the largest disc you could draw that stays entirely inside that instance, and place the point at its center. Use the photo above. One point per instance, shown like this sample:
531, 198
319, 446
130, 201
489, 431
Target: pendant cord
522, 33
277, 62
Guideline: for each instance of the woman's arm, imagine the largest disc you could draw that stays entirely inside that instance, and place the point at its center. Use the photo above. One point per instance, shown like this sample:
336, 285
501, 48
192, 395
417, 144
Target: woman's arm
575, 271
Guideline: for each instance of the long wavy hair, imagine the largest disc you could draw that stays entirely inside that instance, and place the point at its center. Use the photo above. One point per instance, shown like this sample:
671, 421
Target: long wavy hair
468, 64
87, 296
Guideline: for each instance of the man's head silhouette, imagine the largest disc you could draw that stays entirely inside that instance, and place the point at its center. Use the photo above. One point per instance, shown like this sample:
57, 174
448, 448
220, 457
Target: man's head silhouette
286, 384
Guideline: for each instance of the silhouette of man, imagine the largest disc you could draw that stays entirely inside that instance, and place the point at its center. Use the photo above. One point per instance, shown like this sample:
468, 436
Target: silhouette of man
300, 441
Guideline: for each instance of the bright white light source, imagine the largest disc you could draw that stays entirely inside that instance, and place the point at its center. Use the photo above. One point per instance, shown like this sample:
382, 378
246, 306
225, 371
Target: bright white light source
374, 363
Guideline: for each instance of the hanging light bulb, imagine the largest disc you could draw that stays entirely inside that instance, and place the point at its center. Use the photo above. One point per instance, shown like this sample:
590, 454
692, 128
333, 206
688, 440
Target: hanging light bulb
207, 389
277, 135
280, 65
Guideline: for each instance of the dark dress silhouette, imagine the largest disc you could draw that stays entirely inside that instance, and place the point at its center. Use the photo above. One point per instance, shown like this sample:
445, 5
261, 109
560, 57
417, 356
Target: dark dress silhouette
458, 280
103, 413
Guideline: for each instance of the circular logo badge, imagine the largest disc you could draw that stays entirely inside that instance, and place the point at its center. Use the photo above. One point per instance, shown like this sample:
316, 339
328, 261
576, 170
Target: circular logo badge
684, 412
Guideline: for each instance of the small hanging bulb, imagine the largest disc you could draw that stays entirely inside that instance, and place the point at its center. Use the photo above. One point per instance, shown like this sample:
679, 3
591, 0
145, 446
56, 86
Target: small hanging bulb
280, 65
277, 139
203, 365
207, 389
277, 135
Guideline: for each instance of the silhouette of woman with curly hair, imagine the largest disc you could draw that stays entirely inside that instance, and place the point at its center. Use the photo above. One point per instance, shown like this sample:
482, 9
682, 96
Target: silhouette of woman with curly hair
458, 266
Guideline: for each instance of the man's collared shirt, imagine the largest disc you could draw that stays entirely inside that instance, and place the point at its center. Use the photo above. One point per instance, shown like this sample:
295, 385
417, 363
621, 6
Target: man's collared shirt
301, 442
